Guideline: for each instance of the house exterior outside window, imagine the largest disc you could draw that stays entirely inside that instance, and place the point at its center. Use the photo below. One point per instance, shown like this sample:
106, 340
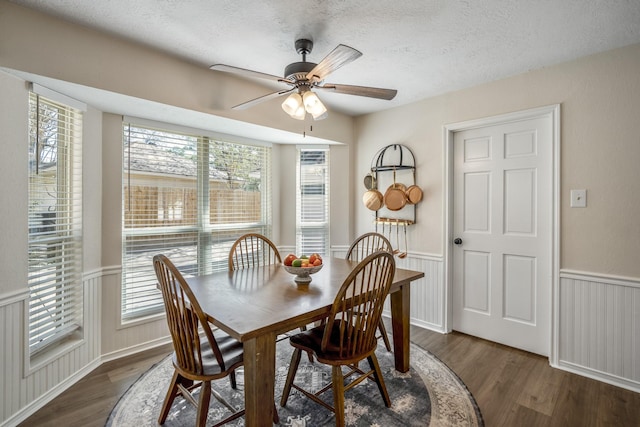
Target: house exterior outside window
189, 197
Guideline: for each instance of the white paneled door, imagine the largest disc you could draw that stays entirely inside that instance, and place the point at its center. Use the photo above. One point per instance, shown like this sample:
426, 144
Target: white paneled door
502, 230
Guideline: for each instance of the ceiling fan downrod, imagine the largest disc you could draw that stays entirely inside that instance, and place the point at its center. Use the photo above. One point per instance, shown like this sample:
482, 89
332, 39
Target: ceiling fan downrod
297, 71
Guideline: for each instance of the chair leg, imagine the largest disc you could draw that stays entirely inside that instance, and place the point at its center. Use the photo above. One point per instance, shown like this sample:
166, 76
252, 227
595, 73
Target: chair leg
203, 404
232, 379
169, 398
338, 394
293, 368
383, 332
373, 363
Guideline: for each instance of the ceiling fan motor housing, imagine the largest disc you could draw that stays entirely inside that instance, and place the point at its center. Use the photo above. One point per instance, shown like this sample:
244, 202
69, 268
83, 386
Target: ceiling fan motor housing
298, 71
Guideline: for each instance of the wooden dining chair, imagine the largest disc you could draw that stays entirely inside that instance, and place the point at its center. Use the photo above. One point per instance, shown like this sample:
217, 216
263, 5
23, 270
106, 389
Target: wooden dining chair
200, 355
349, 335
364, 245
251, 250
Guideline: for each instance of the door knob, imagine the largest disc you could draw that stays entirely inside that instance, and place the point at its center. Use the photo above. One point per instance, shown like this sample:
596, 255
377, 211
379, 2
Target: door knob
458, 241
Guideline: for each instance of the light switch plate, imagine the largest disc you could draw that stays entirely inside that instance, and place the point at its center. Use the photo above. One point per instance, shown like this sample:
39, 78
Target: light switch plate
578, 198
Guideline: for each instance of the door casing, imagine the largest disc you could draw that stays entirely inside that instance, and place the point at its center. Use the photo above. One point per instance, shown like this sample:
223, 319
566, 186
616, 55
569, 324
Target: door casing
554, 112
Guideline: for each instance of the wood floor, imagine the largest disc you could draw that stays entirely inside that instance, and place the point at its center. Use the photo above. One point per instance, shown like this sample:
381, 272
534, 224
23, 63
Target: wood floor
512, 388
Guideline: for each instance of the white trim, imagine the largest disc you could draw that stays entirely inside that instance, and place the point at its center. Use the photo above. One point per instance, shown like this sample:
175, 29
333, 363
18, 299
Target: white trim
313, 147
13, 297
92, 274
448, 131
137, 321
58, 97
45, 398
111, 270
607, 279
137, 121
599, 375
123, 352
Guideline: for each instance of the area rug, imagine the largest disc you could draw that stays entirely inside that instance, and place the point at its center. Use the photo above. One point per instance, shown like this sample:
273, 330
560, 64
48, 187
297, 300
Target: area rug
430, 394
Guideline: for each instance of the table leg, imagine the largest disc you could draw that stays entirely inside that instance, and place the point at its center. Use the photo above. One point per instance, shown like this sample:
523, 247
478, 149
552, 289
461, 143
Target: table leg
259, 380
400, 304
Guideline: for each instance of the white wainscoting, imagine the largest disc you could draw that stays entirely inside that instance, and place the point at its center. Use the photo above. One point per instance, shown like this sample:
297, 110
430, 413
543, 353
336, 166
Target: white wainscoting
427, 294
599, 327
25, 390
599, 332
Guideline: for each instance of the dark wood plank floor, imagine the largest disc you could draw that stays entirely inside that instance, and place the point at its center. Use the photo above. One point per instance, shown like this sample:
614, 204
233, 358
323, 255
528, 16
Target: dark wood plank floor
512, 388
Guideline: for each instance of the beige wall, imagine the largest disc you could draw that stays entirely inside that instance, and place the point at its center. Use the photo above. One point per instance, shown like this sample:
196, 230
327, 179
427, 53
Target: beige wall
13, 200
600, 152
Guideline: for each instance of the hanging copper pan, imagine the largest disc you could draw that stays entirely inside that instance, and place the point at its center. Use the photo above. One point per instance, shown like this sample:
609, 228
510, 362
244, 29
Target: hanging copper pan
373, 199
395, 197
413, 192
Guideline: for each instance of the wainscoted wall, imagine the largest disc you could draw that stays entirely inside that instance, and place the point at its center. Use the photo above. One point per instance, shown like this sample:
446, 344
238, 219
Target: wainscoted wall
598, 332
599, 327
427, 294
26, 389
119, 339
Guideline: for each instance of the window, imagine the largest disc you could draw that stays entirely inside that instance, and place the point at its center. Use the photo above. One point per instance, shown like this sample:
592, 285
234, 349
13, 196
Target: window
55, 222
189, 197
312, 201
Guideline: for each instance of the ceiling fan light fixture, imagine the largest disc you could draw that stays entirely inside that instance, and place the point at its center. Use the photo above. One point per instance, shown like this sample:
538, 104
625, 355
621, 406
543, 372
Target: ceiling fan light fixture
314, 106
292, 104
300, 113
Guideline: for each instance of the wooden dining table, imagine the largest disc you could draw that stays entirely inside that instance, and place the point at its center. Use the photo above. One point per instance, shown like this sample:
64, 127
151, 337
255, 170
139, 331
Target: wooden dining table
257, 304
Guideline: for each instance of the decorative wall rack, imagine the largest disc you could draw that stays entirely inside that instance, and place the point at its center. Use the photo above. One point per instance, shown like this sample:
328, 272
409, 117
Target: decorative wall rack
392, 167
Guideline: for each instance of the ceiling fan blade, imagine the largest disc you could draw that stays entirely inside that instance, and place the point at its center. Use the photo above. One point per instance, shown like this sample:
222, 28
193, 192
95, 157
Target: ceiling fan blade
371, 92
247, 73
338, 57
262, 98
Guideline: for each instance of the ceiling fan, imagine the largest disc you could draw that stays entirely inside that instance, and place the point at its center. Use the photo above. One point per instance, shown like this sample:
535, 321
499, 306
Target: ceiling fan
303, 76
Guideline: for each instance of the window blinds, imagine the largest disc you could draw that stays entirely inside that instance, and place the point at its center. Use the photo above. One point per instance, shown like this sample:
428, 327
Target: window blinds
188, 197
312, 201
55, 222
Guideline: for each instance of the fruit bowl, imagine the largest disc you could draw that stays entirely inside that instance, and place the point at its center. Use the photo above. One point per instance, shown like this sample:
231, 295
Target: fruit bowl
303, 274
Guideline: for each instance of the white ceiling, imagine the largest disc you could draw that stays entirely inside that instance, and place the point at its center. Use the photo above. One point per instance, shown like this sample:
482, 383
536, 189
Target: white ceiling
422, 48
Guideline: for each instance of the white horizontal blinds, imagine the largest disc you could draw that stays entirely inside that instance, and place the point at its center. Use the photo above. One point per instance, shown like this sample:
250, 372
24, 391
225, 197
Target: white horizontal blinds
312, 201
160, 212
238, 198
55, 222
188, 197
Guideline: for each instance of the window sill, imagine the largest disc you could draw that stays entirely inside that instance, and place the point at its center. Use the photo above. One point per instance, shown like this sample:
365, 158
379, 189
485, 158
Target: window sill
56, 351
124, 324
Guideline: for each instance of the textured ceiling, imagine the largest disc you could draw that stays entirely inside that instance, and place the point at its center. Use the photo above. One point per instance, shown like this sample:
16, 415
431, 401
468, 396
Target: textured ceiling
421, 48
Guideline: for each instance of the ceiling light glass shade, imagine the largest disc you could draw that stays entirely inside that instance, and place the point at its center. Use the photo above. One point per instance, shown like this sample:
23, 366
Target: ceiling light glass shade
292, 104
314, 106
299, 113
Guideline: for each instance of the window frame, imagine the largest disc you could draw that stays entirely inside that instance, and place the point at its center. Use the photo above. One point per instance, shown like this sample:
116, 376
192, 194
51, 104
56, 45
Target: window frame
308, 230
54, 314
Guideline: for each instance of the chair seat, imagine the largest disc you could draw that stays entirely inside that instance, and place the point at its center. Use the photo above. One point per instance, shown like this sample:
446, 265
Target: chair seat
311, 341
232, 355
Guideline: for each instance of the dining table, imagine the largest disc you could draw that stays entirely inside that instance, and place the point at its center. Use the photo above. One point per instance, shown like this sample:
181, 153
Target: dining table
255, 305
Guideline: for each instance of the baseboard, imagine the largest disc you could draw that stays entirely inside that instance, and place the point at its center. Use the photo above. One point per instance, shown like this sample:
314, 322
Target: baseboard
51, 394
599, 376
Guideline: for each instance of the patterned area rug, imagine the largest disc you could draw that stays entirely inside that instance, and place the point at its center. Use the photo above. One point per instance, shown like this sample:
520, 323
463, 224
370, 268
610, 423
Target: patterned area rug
430, 394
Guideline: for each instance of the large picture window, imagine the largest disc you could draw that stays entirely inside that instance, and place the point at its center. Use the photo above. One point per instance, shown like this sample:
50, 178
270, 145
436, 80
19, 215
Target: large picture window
312, 201
189, 197
55, 222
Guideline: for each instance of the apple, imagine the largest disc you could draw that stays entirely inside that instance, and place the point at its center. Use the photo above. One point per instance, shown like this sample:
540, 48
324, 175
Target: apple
289, 259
